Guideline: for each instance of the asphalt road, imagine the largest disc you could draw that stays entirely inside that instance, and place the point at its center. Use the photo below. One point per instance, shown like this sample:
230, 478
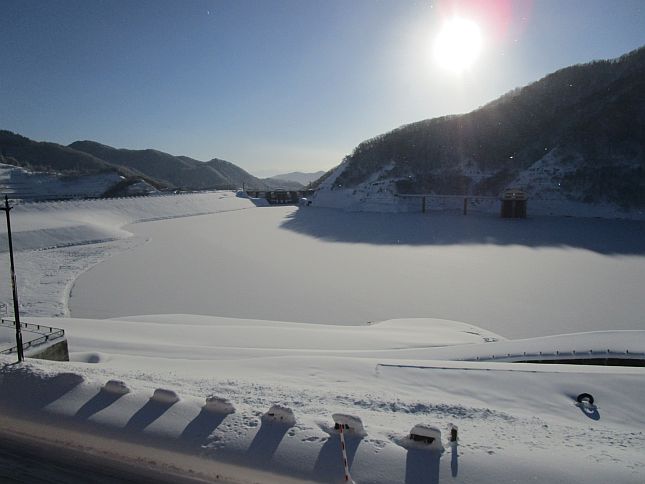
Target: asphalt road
45, 451
24, 463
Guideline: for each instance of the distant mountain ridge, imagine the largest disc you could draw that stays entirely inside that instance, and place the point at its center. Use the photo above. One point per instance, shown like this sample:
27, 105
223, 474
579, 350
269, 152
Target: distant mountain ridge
173, 171
44, 156
155, 169
299, 177
577, 134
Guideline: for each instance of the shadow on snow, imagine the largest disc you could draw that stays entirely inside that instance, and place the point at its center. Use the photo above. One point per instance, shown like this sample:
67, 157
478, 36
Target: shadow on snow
266, 441
604, 236
329, 465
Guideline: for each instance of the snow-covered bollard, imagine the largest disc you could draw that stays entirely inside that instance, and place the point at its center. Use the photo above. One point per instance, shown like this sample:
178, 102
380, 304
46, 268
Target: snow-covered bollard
428, 434
217, 404
350, 423
281, 414
347, 424
453, 430
116, 387
161, 395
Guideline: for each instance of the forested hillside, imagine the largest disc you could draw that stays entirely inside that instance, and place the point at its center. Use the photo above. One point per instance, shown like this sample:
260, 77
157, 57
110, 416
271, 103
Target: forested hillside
578, 133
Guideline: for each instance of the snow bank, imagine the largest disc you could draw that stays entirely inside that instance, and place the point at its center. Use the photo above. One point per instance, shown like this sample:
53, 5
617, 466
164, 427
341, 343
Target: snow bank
186, 337
514, 420
44, 225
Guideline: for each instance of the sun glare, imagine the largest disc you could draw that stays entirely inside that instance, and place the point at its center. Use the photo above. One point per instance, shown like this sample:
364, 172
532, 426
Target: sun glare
458, 44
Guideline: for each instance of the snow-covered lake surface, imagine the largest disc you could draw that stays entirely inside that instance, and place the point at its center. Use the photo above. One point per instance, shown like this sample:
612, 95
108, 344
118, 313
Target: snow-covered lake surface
262, 276
518, 278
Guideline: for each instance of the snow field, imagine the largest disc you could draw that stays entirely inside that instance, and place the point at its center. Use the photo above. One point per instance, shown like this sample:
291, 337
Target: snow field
510, 416
207, 385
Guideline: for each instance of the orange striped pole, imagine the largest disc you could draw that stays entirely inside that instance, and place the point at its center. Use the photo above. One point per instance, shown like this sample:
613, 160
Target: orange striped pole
348, 478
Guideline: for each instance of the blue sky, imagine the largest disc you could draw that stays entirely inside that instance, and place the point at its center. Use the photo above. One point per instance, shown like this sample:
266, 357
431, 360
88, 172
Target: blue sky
276, 86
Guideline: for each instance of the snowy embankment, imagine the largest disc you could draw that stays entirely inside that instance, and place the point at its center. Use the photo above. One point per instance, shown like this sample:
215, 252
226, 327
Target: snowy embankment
513, 419
541, 181
17, 182
57, 241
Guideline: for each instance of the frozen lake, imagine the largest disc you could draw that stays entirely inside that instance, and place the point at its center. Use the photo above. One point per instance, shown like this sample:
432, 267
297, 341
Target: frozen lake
518, 278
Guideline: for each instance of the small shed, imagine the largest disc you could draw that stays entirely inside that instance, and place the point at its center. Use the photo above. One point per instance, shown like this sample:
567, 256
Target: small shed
513, 203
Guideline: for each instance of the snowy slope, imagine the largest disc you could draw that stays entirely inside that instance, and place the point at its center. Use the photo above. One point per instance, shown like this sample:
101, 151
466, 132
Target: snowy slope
186, 337
513, 419
54, 224
22, 184
379, 194
542, 181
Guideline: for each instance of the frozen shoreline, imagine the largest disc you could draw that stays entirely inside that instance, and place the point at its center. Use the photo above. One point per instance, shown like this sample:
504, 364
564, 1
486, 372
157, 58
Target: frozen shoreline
56, 242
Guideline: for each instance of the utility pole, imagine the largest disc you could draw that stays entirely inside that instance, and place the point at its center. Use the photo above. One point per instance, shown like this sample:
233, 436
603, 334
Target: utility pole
16, 310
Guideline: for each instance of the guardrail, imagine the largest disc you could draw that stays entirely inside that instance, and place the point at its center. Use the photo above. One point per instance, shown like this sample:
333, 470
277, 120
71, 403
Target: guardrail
612, 357
82, 198
557, 355
48, 334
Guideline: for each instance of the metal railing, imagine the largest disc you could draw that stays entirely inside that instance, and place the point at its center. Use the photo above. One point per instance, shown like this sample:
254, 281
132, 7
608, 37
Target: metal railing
47, 334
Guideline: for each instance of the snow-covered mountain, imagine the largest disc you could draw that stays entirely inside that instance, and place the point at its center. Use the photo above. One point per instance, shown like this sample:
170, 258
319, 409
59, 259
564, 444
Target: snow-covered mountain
576, 136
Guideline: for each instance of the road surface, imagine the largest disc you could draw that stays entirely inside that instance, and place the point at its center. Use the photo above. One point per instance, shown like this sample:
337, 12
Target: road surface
44, 452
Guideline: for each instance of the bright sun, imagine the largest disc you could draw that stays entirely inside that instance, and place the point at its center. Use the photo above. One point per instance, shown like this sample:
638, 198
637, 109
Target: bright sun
458, 44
